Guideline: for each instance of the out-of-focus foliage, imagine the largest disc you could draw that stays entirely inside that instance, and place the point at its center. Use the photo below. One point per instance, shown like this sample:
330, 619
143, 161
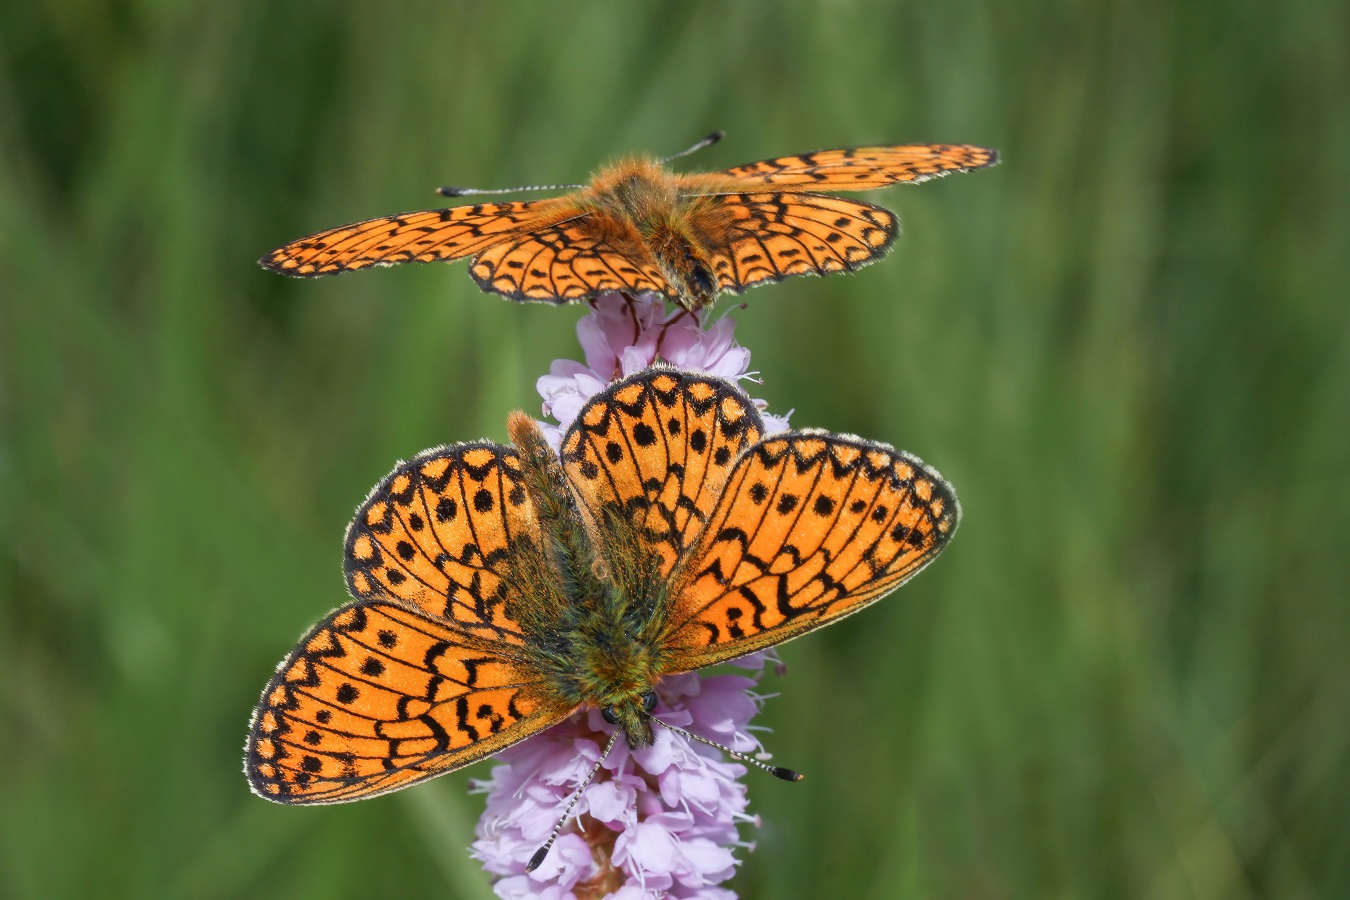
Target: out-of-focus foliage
1127, 347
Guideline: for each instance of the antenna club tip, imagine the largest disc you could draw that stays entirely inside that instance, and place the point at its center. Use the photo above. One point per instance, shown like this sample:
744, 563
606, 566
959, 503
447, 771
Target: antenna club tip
450, 191
717, 136
787, 774
538, 859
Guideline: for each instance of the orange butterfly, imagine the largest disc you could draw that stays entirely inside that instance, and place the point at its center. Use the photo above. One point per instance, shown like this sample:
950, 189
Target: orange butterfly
500, 589
640, 227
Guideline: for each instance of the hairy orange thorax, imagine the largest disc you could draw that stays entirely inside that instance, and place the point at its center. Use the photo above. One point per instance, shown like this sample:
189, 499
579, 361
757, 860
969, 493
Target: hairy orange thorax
677, 227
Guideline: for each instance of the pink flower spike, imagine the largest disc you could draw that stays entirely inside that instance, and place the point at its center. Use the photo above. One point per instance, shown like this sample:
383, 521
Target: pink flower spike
661, 822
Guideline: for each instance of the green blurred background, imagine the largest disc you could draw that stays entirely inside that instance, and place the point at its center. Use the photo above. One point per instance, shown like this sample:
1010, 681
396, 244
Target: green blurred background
1124, 346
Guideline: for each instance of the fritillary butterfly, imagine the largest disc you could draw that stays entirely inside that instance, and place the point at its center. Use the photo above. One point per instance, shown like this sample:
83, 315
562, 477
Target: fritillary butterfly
640, 227
497, 590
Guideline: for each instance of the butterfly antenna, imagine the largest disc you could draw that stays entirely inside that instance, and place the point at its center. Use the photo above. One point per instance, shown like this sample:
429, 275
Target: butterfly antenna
467, 191
775, 771
542, 853
705, 142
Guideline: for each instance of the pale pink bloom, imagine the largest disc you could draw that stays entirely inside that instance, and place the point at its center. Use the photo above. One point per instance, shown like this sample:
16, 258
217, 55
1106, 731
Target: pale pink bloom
621, 337
661, 822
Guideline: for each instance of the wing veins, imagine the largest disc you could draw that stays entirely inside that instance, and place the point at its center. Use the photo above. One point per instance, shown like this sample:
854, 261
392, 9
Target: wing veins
448, 595
863, 519
393, 690
864, 593
529, 267
675, 628
462, 634
586, 279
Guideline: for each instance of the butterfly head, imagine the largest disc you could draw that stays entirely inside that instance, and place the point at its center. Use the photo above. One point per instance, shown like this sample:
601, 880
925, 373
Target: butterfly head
633, 715
618, 679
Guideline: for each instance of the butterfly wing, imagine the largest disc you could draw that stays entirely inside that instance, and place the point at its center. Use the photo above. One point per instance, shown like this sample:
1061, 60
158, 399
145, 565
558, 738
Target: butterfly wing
862, 168
438, 533
436, 234
573, 259
427, 670
655, 450
378, 696
812, 527
757, 238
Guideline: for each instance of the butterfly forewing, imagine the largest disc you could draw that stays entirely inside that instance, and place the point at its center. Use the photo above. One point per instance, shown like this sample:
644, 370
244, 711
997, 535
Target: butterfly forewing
771, 236
811, 527
437, 234
658, 448
378, 696
864, 168
437, 533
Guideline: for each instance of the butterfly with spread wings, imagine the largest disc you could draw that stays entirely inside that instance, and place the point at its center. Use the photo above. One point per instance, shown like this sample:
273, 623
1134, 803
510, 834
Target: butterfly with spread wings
499, 589
640, 227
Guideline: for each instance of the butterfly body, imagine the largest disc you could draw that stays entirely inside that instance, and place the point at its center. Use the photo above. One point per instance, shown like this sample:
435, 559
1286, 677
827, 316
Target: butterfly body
652, 214
638, 226
499, 589
595, 628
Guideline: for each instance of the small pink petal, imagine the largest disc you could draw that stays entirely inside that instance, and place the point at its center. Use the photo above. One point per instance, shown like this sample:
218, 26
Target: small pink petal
611, 802
705, 862
650, 846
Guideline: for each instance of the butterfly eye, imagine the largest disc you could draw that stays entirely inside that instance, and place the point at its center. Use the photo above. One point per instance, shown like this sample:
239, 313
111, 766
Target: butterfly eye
649, 701
609, 716
704, 281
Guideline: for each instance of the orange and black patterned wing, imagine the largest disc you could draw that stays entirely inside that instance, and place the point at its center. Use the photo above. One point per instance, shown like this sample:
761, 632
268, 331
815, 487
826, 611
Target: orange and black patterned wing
436, 234
863, 168
812, 527
379, 696
758, 238
655, 450
568, 261
438, 533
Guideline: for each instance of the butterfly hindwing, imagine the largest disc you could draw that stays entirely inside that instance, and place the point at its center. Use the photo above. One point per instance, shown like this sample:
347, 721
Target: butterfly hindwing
437, 534
864, 168
657, 449
771, 236
435, 234
379, 696
811, 527
567, 261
